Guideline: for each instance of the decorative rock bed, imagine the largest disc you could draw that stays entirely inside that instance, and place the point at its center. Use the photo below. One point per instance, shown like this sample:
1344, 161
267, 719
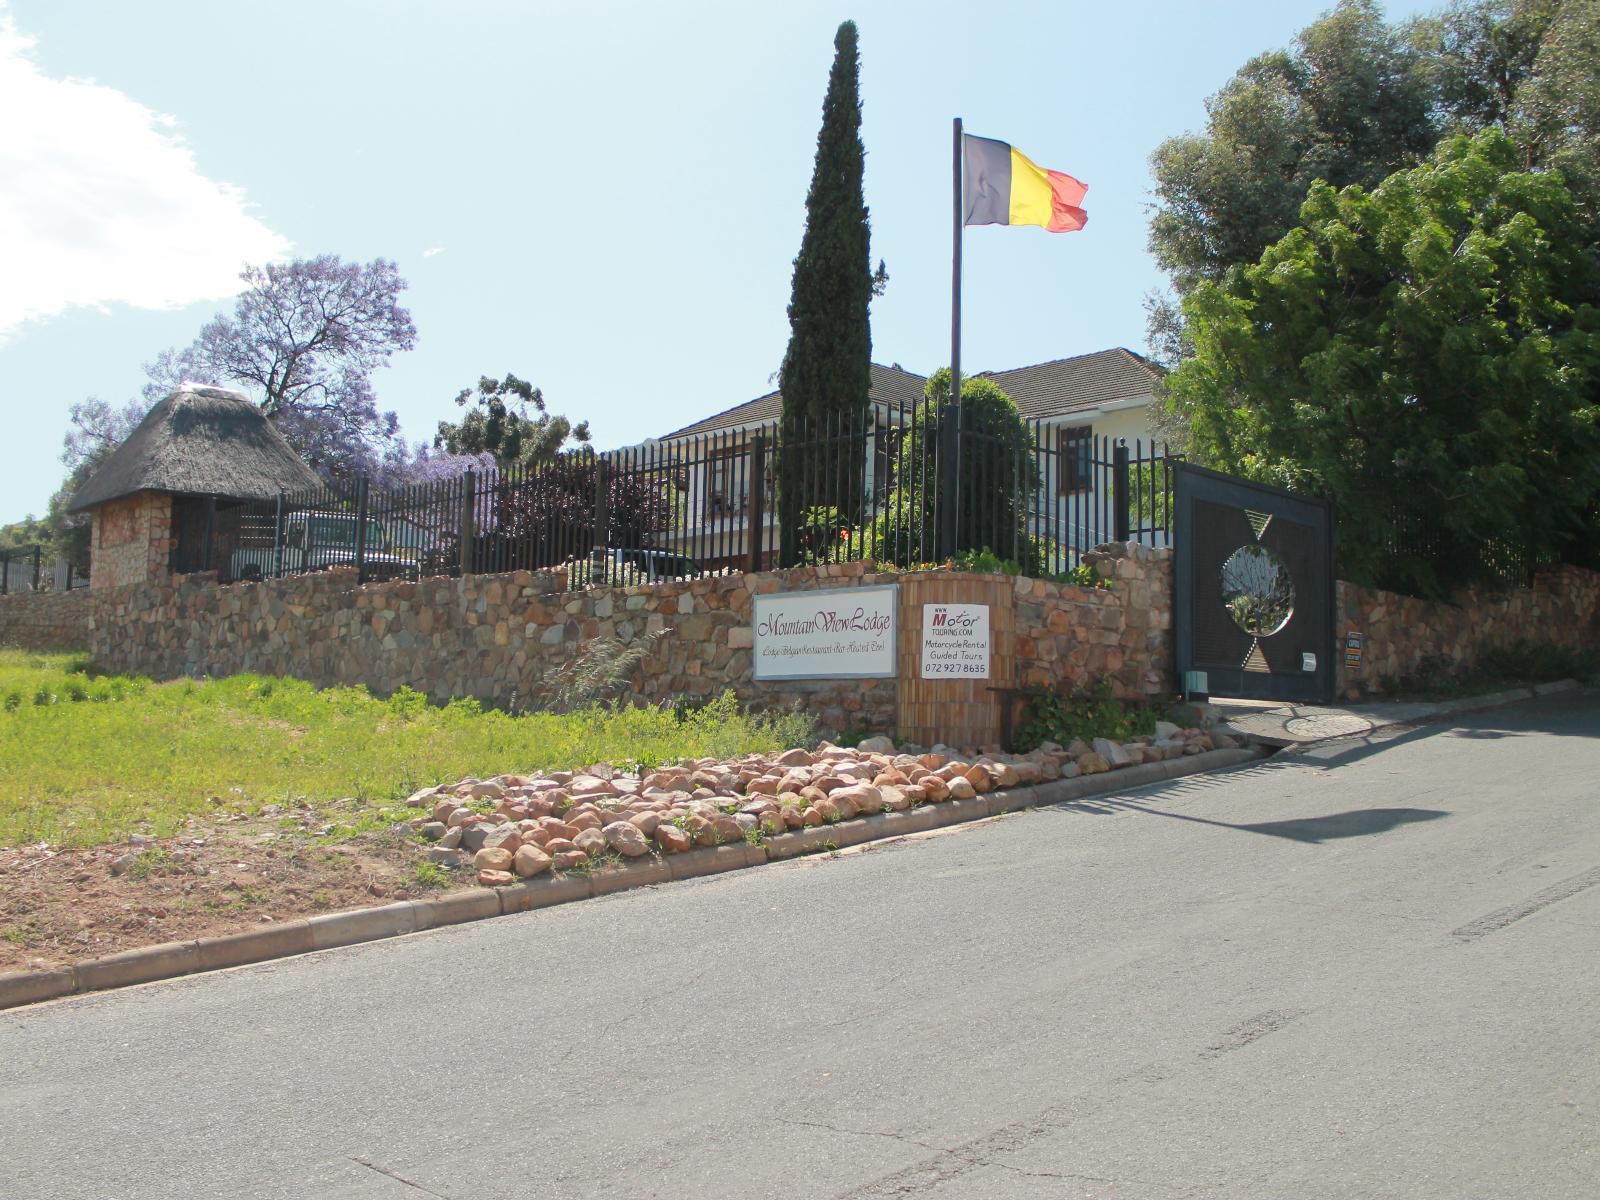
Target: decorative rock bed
521, 826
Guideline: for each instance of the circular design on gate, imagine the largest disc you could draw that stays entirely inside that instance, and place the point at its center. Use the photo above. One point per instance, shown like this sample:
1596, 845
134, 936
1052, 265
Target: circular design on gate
1257, 590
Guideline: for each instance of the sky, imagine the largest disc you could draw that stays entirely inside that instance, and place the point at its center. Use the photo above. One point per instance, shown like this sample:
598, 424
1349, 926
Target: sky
602, 197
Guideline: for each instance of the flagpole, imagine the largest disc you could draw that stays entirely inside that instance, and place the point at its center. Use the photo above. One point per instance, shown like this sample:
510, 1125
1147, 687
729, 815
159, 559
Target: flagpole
950, 441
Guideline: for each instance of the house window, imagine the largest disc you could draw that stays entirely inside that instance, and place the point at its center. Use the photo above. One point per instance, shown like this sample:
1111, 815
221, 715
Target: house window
727, 482
1075, 459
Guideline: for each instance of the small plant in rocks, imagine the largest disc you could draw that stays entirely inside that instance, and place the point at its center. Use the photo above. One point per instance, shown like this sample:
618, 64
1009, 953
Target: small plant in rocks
430, 875
1059, 715
149, 862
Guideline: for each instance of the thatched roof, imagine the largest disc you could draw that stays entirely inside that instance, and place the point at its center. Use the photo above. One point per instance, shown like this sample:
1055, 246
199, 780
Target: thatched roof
199, 441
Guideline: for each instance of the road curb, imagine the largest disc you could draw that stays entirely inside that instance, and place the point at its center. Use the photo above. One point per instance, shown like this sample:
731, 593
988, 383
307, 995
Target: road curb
327, 931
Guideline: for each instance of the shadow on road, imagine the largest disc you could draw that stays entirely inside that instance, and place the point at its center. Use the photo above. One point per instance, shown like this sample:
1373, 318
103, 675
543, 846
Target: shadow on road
1358, 822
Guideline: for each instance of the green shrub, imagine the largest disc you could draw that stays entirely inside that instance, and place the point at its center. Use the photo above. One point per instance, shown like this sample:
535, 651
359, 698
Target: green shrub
997, 477
1056, 715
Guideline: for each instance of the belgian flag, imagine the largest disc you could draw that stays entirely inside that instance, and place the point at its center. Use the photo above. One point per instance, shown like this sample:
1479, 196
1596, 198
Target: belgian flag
1002, 186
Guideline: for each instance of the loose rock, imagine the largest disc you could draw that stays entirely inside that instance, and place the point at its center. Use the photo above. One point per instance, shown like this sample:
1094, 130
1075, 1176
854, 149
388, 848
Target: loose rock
626, 839
530, 861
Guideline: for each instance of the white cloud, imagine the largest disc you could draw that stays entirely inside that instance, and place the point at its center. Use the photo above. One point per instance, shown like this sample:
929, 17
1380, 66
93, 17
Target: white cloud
432, 250
103, 204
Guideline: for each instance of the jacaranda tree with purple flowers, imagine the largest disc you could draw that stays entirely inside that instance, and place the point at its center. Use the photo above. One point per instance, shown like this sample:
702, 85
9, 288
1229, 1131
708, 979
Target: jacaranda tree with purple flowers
303, 340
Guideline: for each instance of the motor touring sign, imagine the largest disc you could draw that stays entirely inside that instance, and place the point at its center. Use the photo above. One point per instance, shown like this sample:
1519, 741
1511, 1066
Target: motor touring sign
955, 641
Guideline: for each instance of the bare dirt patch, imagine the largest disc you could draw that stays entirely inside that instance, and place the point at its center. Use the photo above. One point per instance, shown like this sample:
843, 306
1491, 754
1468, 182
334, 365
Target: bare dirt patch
63, 906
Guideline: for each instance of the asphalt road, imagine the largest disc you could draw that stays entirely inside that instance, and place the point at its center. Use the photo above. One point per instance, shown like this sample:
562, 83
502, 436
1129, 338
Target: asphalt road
1372, 970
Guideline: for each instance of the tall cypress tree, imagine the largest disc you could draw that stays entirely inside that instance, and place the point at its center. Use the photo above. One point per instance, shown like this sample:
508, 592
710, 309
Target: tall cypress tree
826, 370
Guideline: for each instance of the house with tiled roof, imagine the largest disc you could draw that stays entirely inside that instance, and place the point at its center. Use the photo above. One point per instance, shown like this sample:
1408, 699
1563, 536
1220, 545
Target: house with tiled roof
891, 387
1072, 405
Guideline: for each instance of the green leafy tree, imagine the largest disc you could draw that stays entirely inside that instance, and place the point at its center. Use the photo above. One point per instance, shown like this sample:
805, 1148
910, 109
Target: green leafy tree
1356, 99
507, 418
1557, 114
1426, 353
826, 370
1483, 53
1351, 103
998, 475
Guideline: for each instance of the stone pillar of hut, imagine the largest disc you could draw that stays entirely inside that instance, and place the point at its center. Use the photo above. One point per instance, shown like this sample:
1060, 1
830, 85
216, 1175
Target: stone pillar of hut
131, 541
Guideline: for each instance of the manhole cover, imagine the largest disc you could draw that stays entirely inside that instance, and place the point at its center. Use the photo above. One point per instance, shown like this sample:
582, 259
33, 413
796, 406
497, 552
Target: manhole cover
1325, 725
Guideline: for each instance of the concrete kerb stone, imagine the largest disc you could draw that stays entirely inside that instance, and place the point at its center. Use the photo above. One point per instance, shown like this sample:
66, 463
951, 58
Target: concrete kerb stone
331, 930
257, 945
144, 965
714, 860
818, 838
364, 924
634, 873
544, 892
457, 908
30, 987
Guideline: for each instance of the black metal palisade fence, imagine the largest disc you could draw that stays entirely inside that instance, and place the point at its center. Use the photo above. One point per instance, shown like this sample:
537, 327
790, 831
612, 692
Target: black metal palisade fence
25, 569
835, 489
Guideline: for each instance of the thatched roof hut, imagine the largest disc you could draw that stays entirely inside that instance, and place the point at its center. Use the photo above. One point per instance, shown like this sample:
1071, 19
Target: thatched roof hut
199, 441
170, 499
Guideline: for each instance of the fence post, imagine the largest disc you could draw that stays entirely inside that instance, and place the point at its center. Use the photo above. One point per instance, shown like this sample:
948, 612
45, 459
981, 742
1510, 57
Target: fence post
1119, 491
277, 539
37, 550
5, 572
602, 524
211, 529
361, 529
758, 497
469, 522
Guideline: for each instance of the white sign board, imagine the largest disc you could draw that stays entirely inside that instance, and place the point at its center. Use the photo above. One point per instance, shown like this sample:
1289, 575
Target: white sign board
844, 633
955, 641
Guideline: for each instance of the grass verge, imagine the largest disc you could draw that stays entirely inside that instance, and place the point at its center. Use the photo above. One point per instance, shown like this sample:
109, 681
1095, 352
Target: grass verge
89, 760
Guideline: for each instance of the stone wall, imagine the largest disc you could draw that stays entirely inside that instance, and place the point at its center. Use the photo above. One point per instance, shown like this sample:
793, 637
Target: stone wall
46, 620
131, 541
495, 637
1122, 634
1402, 635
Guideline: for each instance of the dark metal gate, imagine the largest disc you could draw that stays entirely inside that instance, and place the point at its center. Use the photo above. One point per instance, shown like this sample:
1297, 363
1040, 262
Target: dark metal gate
1253, 615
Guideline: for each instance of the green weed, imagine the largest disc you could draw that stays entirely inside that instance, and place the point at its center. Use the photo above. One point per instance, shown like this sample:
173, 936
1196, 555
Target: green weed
430, 875
149, 755
149, 862
1057, 715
